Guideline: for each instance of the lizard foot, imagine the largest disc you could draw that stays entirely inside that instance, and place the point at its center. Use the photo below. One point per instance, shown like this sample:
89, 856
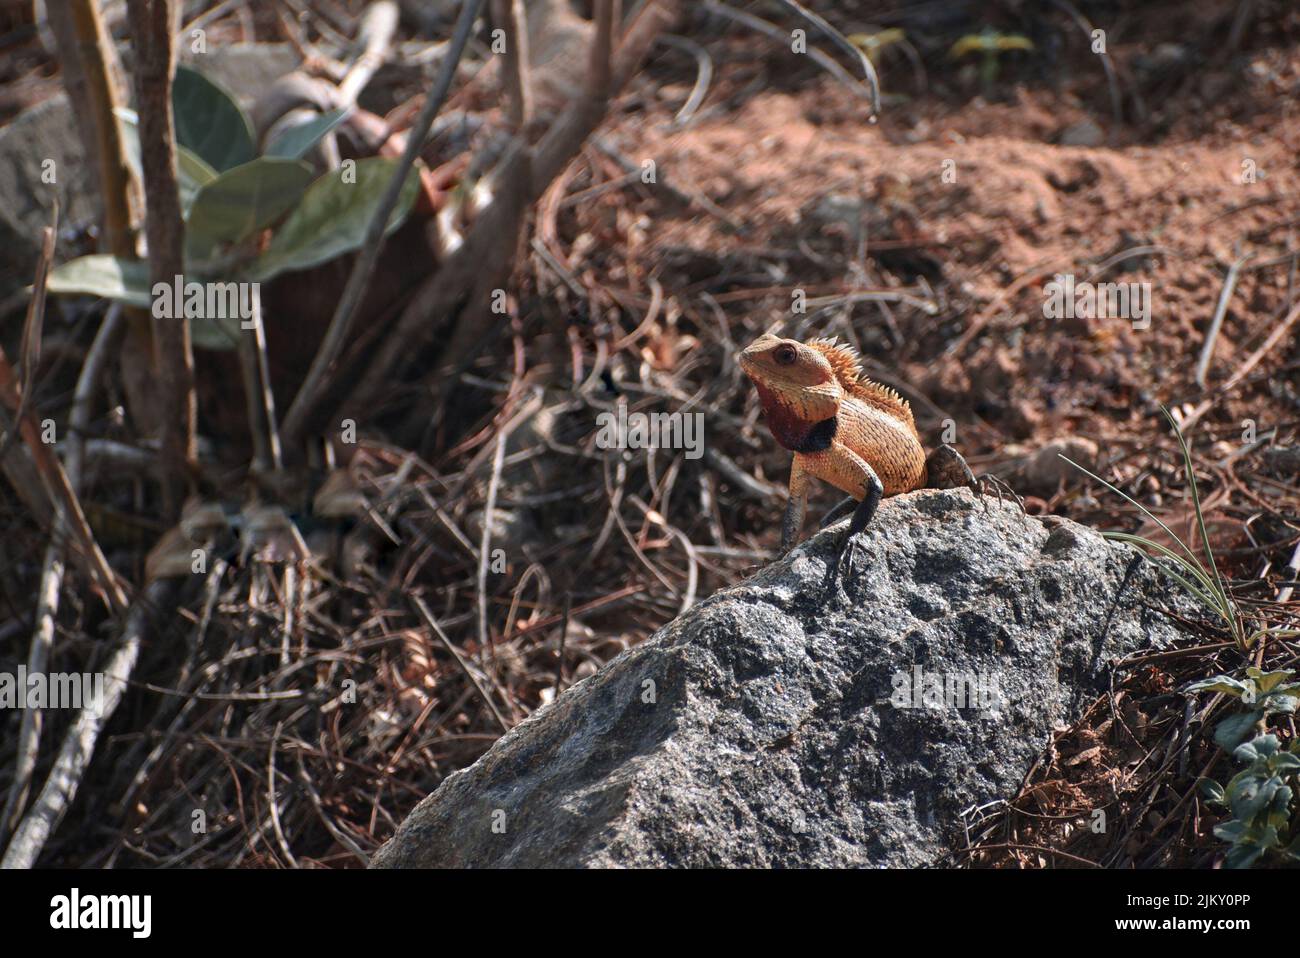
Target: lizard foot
861, 517
841, 567
999, 486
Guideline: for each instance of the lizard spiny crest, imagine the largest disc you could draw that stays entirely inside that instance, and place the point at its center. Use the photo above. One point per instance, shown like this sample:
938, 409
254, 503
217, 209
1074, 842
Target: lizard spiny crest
848, 370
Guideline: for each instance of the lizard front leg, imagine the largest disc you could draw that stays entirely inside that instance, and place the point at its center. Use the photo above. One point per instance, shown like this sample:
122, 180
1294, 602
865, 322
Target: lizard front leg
845, 469
867, 507
795, 505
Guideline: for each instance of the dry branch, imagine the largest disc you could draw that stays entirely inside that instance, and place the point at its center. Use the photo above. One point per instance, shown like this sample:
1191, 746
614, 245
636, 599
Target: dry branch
1216, 321
95, 55
297, 420
31, 344
47, 598
508, 15
97, 61
79, 745
464, 283
375, 35
59, 490
154, 24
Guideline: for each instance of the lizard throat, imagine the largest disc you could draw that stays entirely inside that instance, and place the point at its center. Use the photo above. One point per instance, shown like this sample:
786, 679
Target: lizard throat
790, 429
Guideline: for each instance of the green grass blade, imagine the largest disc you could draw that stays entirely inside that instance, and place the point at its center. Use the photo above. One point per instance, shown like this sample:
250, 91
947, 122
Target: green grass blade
1145, 511
1200, 516
1206, 598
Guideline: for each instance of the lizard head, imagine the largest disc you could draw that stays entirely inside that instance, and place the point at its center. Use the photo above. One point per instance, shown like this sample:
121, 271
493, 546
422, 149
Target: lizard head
785, 365
796, 384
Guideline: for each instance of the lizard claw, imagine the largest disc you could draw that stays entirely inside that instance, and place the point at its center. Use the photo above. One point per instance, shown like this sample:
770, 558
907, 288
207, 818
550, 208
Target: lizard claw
844, 559
999, 486
841, 567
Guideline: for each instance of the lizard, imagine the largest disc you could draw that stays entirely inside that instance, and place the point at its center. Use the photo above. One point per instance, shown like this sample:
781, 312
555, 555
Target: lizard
844, 429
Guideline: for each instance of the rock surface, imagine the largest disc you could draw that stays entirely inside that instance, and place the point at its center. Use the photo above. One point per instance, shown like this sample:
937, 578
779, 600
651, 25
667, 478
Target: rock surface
38, 144
764, 727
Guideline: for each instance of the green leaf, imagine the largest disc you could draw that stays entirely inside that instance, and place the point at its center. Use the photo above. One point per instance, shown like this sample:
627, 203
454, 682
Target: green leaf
113, 277
1275, 632
210, 122
1282, 801
1278, 703
1247, 778
332, 218
1254, 798
242, 201
1268, 681
1285, 762
1250, 751
214, 310
294, 143
1242, 856
1233, 730
1245, 752
1230, 831
1265, 744
191, 172
1221, 590
1220, 683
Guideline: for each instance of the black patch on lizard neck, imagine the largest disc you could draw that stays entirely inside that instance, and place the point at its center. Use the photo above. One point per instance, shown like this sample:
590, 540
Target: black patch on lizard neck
819, 437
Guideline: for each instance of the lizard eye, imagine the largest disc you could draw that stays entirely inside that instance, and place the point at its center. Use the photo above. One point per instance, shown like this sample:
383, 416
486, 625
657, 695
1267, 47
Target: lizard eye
785, 355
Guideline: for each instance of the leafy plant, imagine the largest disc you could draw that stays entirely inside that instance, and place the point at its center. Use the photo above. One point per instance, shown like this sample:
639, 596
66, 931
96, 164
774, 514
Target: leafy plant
1265, 694
989, 42
230, 196
1260, 801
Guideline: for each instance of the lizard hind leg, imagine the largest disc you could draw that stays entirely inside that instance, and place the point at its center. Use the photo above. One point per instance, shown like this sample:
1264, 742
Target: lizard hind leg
946, 469
792, 522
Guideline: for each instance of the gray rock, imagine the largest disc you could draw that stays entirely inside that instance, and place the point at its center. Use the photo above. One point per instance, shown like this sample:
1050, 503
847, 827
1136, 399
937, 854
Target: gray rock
757, 729
43, 132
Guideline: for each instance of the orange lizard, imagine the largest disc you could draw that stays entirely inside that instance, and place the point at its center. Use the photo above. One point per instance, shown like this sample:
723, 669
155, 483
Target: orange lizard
842, 428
